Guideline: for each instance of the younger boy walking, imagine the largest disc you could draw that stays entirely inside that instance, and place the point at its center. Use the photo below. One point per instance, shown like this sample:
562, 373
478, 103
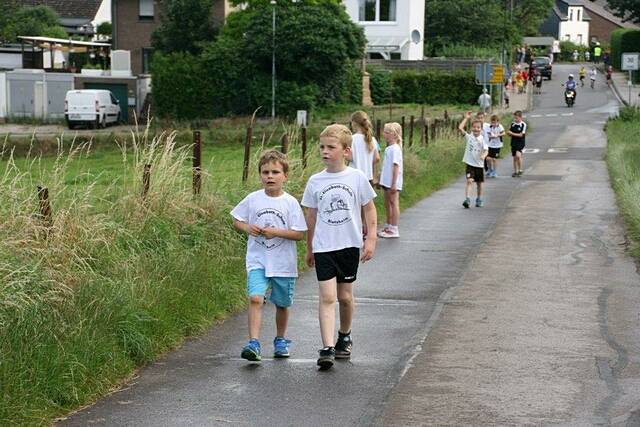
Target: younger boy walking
274, 221
517, 131
335, 199
474, 154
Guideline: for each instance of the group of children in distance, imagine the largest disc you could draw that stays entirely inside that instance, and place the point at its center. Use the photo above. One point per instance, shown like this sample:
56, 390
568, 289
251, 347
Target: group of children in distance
340, 217
339, 222
483, 147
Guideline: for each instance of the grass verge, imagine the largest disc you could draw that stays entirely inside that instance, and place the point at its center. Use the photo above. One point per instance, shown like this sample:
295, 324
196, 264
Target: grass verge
623, 160
115, 280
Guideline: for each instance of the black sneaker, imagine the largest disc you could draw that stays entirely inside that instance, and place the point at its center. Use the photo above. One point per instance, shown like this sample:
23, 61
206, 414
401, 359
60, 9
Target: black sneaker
343, 346
325, 361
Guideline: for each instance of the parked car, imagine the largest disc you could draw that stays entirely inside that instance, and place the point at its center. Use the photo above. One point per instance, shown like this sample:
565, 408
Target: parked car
543, 64
92, 107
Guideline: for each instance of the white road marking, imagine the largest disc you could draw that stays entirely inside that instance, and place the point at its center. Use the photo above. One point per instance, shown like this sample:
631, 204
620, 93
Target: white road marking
536, 115
530, 150
551, 115
566, 114
558, 150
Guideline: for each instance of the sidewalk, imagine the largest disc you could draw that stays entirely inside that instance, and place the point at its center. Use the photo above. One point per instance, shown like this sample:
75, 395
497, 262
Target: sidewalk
621, 88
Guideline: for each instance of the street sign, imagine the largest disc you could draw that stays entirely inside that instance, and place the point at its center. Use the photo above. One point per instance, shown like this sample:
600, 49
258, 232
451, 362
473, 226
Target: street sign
630, 61
484, 73
301, 117
498, 75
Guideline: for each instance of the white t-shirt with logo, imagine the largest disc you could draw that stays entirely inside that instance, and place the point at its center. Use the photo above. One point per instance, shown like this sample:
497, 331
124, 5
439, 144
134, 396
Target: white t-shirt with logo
339, 198
494, 140
392, 156
486, 129
362, 158
473, 150
276, 256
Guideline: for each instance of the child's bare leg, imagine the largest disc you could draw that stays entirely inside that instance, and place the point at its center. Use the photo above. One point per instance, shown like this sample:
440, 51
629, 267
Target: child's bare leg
387, 206
255, 315
327, 310
282, 320
515, 162
394, 208
467, 188
347, 306
479, 189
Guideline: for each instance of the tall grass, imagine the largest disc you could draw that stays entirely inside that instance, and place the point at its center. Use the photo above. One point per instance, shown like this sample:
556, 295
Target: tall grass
623, 160
117, 280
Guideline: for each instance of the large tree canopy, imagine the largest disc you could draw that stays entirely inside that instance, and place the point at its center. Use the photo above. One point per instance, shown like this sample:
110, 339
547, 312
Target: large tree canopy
29, 21
629, 10
185, 25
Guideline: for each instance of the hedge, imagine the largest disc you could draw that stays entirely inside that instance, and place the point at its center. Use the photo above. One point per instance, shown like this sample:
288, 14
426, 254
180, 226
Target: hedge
423, 87
622, 41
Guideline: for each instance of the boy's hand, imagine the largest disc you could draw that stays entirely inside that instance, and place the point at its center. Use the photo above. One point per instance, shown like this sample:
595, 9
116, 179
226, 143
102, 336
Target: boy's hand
310, 260
467, 115
368, 249
254, 230
270, 232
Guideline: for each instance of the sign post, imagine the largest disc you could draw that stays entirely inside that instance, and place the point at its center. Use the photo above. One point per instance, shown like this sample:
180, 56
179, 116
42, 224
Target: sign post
630, 62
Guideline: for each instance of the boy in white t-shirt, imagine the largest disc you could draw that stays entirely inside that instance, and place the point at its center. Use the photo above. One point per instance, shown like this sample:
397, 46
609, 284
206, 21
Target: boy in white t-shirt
274, 220
334, 199
496, 132
475, 152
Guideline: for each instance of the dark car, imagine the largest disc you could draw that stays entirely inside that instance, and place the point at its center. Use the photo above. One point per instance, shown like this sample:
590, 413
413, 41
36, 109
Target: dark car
542, 64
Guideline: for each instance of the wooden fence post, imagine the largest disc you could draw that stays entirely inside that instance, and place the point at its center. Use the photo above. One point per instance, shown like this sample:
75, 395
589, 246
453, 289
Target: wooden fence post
425, 132
378, 126
402, 126
304, 147
44, 205
285, 143
411, 122
247, 153
197, 162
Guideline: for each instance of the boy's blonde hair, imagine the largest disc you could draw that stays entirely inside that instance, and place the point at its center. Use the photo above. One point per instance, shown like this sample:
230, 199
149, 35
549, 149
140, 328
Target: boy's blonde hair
495, 118
273, 156
396, 129
362, 119
339, 132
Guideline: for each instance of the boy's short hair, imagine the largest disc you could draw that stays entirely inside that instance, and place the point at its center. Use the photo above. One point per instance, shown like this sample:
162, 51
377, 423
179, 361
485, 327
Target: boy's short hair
273, 156
517, 113
480, 113
495, 118
339, 132
476, 120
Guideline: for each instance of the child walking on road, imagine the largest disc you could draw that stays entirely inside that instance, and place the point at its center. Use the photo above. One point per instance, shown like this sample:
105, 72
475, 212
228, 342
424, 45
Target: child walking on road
391, 179
474, 154
496, 132
517, 131
274, 221
334, 199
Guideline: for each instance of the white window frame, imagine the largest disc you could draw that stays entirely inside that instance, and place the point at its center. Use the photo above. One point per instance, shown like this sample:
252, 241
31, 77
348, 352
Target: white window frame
377, 18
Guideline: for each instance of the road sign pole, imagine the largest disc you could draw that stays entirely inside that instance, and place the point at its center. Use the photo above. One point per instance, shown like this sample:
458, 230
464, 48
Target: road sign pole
630, 85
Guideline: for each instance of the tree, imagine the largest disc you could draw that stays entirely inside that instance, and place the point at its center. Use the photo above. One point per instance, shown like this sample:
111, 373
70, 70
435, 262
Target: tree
30, 21
185, 25
105, 29
628, 10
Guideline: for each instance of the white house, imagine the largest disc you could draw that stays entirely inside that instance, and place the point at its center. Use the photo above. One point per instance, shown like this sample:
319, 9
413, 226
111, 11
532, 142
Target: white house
394, 28
568, 21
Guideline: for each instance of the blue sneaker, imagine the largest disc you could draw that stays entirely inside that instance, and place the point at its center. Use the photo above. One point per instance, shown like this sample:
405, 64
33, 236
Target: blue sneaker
466, 203
479, 203
251, 351
281, 347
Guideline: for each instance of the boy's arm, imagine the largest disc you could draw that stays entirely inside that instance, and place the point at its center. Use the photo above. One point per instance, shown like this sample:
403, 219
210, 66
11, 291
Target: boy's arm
271, 232
250, 229
310, 217
463, 123
371, 219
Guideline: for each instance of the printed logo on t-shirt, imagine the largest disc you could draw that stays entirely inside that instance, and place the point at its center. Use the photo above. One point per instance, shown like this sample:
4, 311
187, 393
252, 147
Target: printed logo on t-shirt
335, 204
270, 217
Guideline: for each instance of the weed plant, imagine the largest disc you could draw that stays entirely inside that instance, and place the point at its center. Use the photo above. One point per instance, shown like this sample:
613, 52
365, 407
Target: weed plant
117, 279
623, 160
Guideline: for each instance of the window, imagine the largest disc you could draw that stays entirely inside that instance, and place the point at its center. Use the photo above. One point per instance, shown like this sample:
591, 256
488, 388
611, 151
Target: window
145, 10
147, 54
570, 14
578, 12
377, 10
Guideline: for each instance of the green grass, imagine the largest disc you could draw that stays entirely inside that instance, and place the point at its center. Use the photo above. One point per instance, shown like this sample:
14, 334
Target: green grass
117, 281
623, 160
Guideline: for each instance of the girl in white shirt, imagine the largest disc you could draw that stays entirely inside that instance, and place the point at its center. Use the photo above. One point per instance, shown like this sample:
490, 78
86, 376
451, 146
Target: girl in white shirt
364, 147
391, 179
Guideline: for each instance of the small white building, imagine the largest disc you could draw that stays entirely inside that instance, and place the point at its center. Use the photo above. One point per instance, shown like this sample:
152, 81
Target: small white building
568, 21
394, 28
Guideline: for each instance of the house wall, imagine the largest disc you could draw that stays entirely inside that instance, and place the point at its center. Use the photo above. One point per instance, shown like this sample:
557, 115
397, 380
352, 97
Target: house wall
575, 29
409, 17
601, 28
3, 96
131, 33
10, 60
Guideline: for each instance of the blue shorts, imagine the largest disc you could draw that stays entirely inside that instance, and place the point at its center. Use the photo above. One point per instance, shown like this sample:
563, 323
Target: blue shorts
281, 287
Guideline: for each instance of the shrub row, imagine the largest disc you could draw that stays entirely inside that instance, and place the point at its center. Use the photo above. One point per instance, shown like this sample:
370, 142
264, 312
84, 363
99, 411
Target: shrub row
624, 40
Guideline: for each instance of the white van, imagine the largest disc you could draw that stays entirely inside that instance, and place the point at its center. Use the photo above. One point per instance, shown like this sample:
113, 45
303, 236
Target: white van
93, 107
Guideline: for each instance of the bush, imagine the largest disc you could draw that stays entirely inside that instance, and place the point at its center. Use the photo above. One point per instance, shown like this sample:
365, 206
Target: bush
567, 48
423, 87
624, 41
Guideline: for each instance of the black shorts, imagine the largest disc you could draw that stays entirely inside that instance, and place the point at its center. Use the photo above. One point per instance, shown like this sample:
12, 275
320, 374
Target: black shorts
516, 146
474, 173
341, 264
494, 153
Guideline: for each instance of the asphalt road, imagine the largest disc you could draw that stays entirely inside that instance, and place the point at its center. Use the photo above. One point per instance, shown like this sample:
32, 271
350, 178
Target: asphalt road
521, 312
